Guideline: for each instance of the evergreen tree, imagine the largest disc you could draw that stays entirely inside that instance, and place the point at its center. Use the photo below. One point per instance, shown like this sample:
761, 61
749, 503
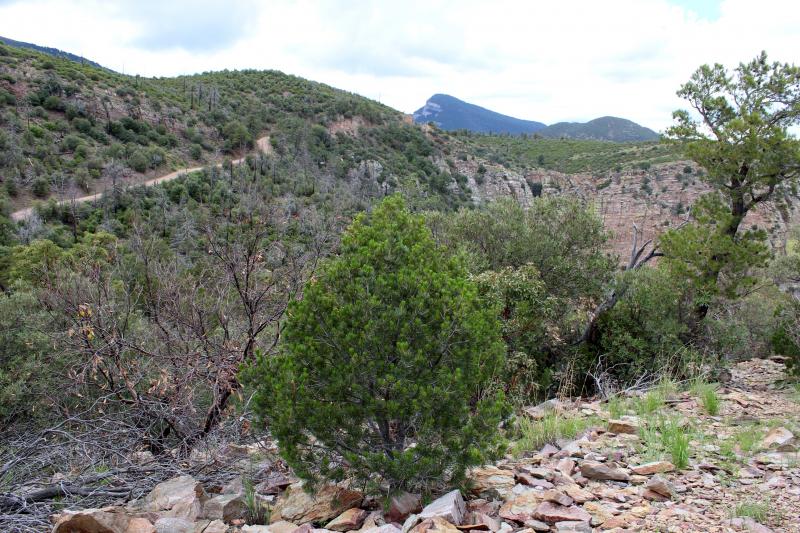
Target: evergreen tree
386, 363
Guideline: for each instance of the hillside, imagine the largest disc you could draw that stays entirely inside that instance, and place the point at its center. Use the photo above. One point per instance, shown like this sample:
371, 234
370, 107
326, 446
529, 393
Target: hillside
67, 130
450, 113
604, 128
55, 52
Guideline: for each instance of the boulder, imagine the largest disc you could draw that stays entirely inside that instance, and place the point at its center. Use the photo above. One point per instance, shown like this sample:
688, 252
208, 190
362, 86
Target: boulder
552, 513
437, 524
104, 520
180, 497
278, 527
275, 483
600, 471
573, 526
217, 526
174, 525
491, 482
348, 520
522, 507
558, 497
387, 528
660, 485
225, 507
327, 503
624, 425
450, 507
402, 505
656, 467
578, 494
776, 437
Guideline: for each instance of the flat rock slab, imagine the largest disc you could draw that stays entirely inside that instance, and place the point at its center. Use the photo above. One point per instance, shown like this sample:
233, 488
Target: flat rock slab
450, 507
600, 471
656, 467
552, 512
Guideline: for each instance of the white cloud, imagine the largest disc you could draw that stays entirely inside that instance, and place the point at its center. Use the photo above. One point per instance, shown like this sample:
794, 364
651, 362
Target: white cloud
547, 61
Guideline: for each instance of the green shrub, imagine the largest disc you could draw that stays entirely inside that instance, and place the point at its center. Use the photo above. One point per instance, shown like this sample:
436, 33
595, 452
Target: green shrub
389, 346
139, 161
41, 187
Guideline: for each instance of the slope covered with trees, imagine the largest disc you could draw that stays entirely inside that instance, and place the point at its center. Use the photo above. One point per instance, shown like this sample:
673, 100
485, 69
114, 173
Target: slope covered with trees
380, 339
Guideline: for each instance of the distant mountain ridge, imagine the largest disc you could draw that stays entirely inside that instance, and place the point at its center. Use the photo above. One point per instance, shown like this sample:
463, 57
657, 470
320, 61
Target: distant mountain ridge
50, 51
450, 113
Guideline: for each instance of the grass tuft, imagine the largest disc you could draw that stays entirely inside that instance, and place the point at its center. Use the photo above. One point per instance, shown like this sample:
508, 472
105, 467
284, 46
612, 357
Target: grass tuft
707, 394
758, 511
536, 433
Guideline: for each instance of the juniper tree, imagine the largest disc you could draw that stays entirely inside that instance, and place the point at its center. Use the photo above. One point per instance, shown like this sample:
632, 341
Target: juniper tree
739, 134
386, 362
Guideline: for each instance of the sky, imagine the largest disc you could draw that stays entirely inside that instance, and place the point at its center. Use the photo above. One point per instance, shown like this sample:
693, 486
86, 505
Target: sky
542, 60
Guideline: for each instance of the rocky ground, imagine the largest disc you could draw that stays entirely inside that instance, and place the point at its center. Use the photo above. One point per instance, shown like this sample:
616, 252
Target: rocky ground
653, 461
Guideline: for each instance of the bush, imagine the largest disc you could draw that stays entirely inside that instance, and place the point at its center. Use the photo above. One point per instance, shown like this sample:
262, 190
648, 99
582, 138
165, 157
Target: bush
41, 187
139, 161
385, 363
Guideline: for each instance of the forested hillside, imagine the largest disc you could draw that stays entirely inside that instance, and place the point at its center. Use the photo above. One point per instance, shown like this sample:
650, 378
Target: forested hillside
385, 310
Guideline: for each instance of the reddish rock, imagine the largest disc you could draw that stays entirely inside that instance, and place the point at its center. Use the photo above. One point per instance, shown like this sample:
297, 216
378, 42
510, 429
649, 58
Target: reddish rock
328, 502
657, 467
552, 512
348, 520
595, 470
401, 505
558, 497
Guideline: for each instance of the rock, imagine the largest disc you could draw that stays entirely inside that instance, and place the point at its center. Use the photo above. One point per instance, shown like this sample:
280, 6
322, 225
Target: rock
491, 482
450, 507
558, 497
387, 528
217, 526
657, 467
540, 411
600, 513
257, 529
522, 507
402, 505
275, 483
281, 526
234, 486
436, 524
328, 502
578, 494
536, 525
566, 466
595, 470
491, 523
348, 520
552, 512
574, 526
226, 507
661, 486
174, 525
103, 520
541, 473
778, 436
748, 524
548, 450
653, 496
180, 497
533, 481
626, 425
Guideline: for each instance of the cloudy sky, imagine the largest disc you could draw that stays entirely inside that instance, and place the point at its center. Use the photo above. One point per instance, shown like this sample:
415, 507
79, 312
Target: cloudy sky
542, 60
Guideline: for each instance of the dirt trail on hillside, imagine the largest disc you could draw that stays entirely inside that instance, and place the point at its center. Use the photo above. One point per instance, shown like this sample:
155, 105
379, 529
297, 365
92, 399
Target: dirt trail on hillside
262, 144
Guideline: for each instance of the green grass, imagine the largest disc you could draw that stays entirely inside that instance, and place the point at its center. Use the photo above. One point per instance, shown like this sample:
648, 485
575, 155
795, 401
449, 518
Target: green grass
258, 512
758, 511
664, 438
707, 394
536, 433
617, 406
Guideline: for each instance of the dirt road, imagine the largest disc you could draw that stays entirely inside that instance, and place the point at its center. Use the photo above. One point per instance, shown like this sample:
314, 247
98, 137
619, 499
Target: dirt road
262, 144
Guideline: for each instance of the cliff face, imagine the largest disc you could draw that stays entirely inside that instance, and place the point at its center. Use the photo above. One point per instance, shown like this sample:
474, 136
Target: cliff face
654, 199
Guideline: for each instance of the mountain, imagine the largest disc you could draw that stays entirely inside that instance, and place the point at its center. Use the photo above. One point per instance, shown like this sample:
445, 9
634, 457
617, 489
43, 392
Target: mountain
450, 113
603, 128
55, 52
